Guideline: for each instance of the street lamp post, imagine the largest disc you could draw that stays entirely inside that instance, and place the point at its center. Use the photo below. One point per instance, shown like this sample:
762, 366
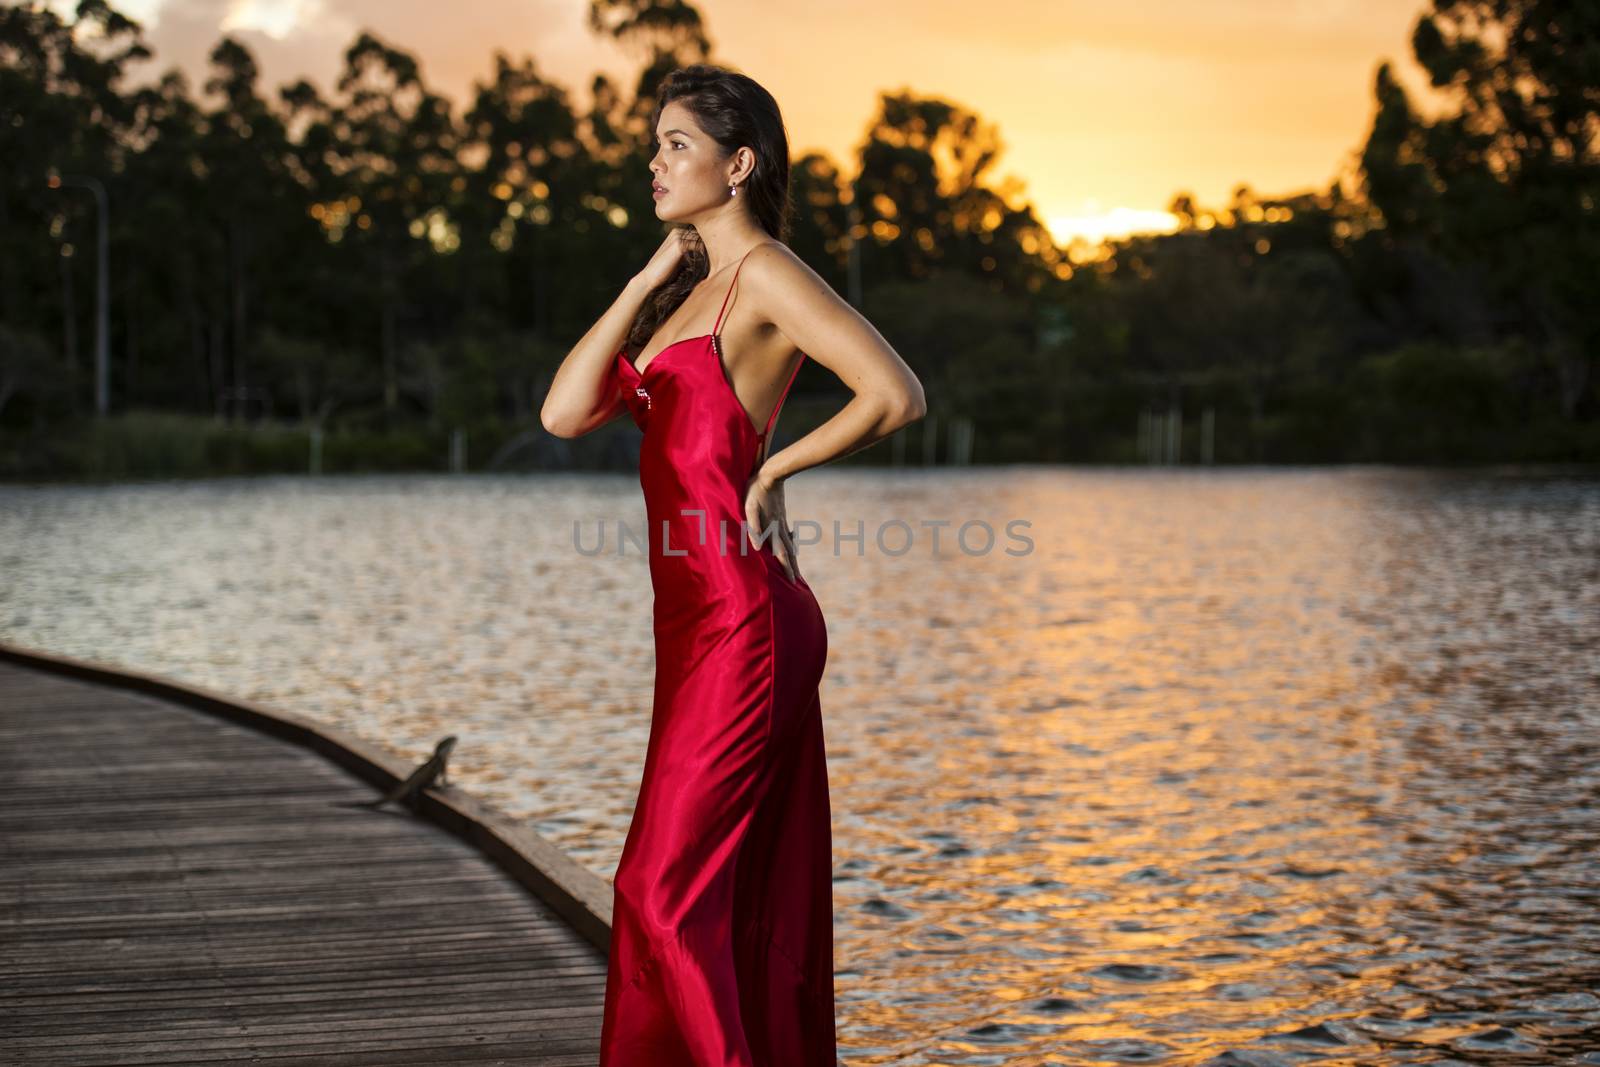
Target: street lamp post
102, 300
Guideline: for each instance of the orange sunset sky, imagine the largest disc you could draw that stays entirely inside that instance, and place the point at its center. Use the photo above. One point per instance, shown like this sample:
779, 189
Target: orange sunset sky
1105, 109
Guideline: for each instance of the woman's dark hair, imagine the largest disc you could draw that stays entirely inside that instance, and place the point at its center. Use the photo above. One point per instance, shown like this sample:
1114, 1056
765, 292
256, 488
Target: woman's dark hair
735, 111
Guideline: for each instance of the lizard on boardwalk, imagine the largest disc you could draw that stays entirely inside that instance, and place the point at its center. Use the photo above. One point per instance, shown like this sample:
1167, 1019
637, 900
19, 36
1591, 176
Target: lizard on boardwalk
419, 779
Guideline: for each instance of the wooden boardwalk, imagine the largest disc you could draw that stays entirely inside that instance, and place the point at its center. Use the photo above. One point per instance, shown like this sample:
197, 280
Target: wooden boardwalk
176, 887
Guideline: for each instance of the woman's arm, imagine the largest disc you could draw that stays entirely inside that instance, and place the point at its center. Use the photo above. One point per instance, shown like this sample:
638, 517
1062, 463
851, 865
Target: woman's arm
581, 397
790, 295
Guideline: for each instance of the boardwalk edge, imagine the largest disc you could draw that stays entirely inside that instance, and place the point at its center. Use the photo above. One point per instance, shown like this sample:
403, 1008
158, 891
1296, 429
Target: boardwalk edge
574, 892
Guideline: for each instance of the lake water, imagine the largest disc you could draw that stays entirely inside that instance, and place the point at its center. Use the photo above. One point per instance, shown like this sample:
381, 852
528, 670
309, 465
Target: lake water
1242, 767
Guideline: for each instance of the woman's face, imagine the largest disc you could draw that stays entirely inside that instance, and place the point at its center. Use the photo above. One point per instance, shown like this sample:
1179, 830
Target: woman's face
689, 166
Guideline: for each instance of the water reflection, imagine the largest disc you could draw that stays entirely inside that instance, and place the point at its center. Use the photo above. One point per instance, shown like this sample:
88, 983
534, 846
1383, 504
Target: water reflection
1244, 767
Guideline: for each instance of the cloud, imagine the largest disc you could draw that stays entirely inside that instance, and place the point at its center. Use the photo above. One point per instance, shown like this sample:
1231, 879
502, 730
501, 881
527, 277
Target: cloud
276, 18
293, 39
289, 39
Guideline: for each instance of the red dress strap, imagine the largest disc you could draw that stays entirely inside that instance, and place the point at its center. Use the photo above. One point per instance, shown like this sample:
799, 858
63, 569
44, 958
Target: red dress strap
779, 405
716, 332
718, 327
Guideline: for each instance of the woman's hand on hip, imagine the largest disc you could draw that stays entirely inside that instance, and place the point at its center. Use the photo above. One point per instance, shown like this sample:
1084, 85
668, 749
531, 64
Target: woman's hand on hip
764, 505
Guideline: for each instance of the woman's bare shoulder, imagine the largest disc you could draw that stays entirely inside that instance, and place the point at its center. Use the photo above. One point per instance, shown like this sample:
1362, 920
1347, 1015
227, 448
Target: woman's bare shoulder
778, 276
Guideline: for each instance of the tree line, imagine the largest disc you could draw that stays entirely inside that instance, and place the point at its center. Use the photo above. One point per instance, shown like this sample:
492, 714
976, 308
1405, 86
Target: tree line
380, 269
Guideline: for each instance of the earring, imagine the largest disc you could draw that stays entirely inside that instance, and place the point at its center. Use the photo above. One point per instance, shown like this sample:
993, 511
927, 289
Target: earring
733, 190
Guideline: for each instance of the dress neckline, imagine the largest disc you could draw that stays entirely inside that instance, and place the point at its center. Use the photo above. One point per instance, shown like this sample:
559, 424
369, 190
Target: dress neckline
722, 372
623, 354
716, 327
715, 336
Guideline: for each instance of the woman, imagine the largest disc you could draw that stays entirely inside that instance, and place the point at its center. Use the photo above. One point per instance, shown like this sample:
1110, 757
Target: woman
722, 926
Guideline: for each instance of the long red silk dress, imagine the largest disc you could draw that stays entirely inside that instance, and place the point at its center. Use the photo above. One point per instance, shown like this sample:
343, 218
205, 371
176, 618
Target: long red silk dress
722, 921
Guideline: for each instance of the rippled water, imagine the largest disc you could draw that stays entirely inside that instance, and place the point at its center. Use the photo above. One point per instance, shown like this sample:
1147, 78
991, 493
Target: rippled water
1237, 767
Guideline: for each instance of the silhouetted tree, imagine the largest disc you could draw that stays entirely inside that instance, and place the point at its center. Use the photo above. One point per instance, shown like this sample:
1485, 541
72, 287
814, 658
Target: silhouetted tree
1508, 179
396, 146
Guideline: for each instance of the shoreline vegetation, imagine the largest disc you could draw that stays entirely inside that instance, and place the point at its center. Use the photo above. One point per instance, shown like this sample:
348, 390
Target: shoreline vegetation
212, 276
164, 445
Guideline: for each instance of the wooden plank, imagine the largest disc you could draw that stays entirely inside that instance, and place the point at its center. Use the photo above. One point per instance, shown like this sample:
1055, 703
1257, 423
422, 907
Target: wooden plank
180, 887
559, 1051
367, 1017
304, 1004
575, 893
